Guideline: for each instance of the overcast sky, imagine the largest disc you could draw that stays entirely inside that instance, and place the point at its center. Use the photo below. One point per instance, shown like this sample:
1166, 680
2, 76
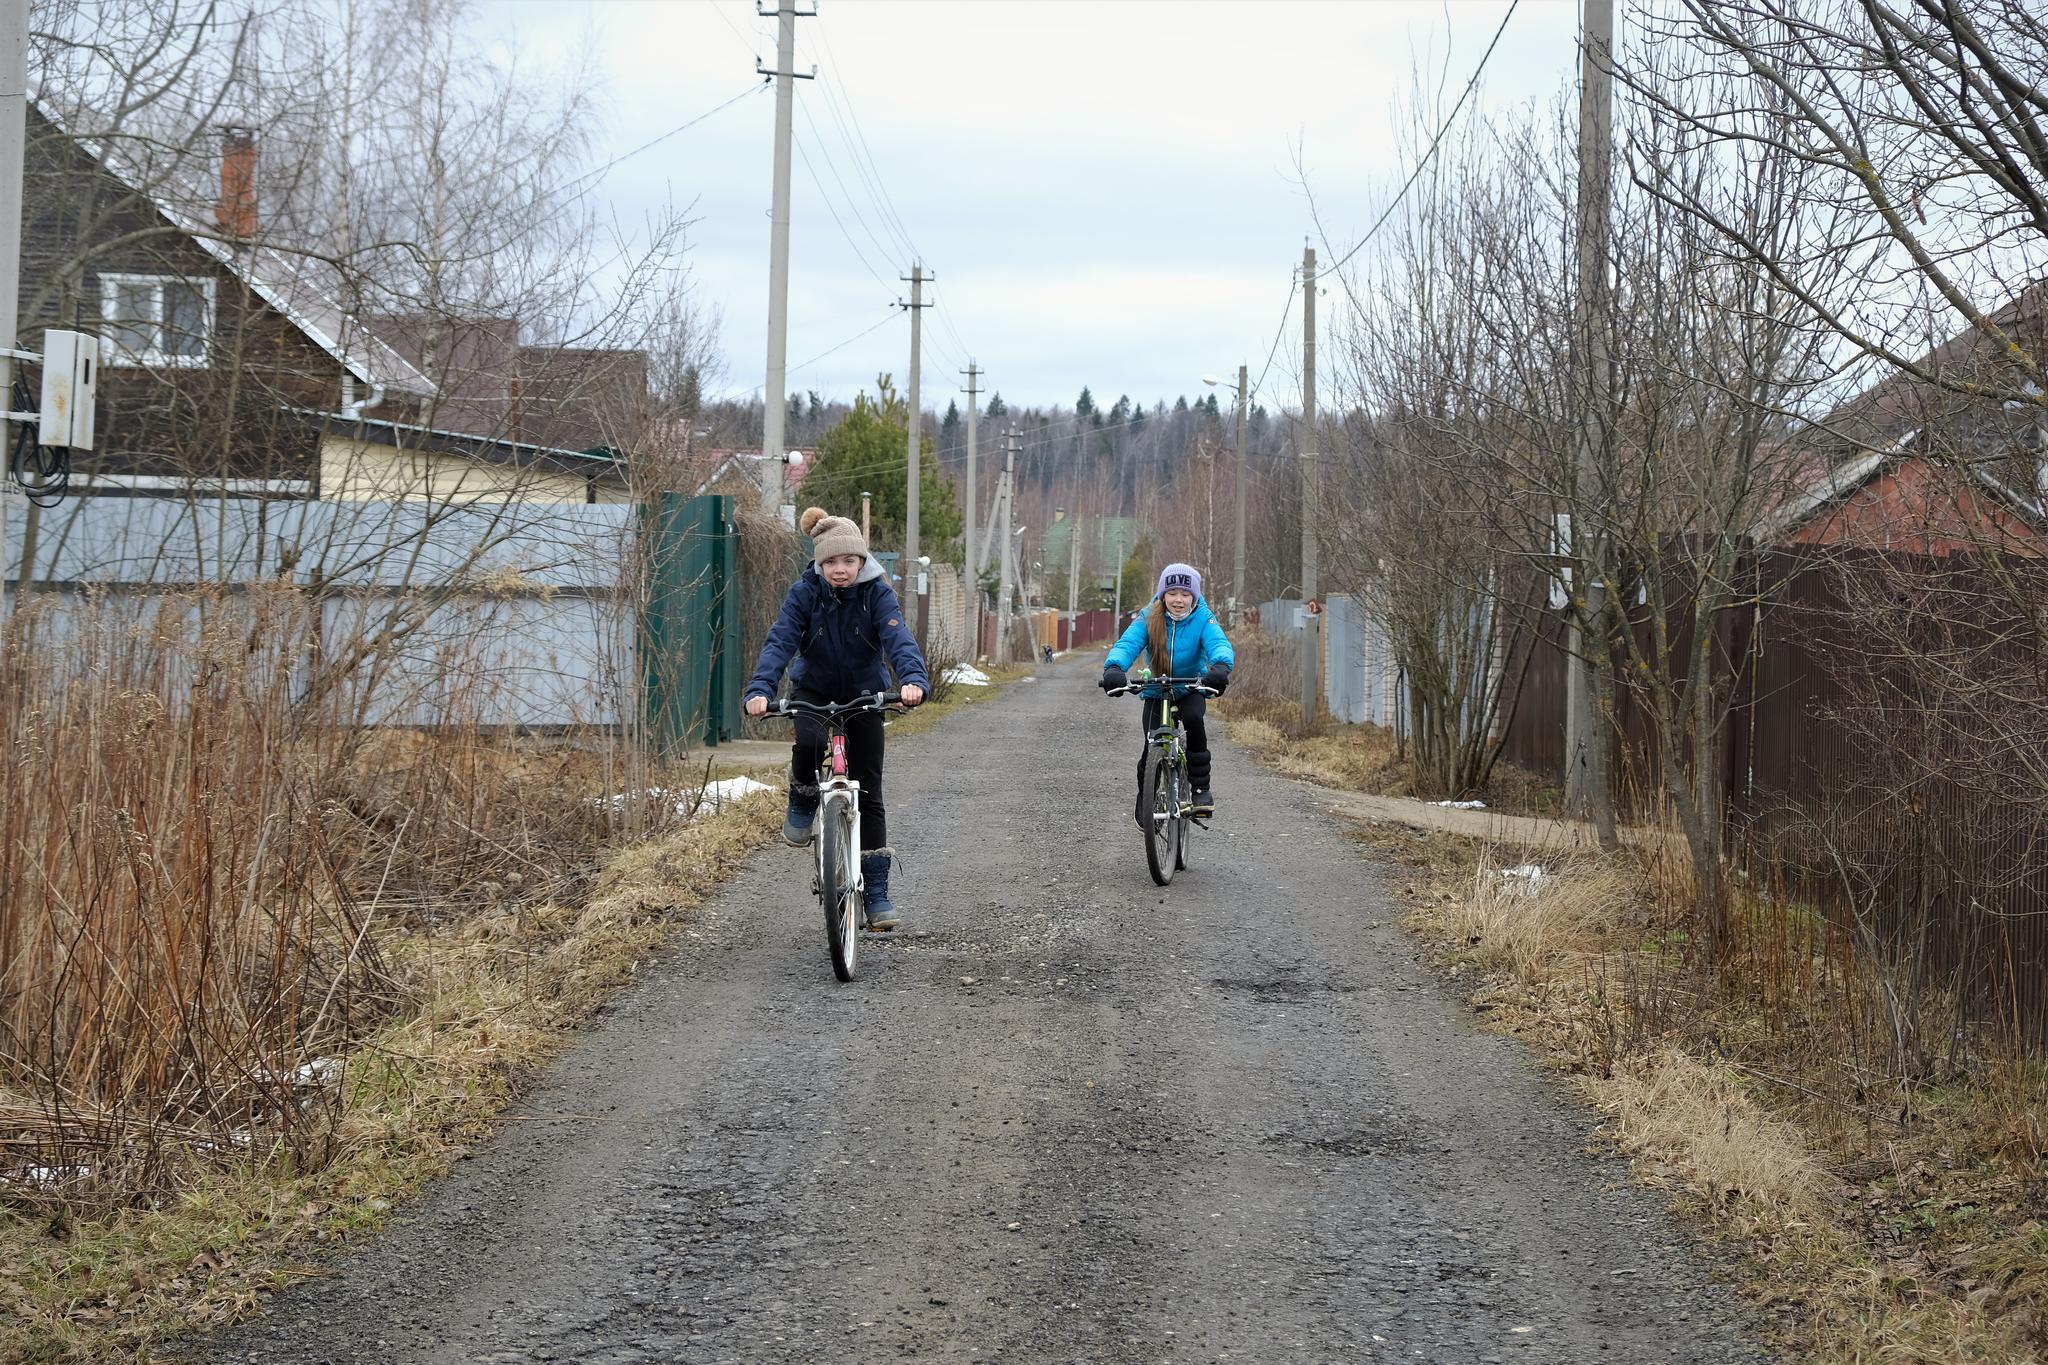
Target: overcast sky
1106, 190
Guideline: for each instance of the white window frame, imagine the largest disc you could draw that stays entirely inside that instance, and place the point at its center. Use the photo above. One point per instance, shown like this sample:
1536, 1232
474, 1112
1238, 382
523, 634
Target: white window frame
153, 358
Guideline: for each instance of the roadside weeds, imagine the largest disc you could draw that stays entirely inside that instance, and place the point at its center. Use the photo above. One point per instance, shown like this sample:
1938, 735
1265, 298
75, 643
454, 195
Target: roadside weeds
489, 996
1870, 1219
494, 997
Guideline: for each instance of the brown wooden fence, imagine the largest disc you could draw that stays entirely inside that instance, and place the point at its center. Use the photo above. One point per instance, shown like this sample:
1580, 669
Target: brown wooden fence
1882, 753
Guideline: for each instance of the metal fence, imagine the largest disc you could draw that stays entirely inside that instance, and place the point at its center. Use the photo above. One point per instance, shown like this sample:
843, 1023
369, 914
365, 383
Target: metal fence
514, 608
1847, 785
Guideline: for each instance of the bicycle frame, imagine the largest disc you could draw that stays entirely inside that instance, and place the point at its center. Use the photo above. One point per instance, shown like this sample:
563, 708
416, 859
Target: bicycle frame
841, 889
1166, 743
834, 784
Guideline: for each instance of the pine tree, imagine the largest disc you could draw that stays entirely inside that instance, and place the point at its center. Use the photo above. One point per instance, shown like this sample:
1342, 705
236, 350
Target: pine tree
996, 406
1084, 406
865, 452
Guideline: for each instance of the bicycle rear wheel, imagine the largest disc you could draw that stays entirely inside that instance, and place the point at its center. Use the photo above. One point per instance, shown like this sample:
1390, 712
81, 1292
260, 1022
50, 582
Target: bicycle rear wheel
1162, 833
836, 896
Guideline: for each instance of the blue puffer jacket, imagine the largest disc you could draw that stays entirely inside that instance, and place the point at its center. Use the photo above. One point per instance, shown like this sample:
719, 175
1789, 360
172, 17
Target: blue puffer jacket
1193, 644
839, 639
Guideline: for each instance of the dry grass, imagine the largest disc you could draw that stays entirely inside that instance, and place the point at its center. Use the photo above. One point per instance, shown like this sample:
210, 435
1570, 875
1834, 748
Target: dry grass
1262, 711
1351, 757
1694, 1125
493, 998
263, 969
1534, 922
1877, 1220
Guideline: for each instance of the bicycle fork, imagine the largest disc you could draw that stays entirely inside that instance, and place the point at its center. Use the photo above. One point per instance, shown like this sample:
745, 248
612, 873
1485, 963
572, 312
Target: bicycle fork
835, 785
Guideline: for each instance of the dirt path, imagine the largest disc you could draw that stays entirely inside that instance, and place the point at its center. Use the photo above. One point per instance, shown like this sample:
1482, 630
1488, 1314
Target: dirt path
1069, 1117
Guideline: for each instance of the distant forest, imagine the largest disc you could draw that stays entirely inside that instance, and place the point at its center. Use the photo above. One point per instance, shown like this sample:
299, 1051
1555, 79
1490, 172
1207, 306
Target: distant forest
1171, 467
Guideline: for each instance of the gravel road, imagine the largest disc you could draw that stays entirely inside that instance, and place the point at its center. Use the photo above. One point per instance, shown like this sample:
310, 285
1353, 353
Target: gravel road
1069, 1116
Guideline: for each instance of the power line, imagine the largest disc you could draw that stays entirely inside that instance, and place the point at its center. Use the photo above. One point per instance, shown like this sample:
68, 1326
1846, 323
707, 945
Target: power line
846, 94
1280, 331
1436, 142
888, 318
679, 128
852, 206
836, 220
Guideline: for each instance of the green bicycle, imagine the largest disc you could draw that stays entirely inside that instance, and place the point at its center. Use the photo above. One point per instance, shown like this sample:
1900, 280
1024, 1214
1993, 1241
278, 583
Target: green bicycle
1166, 799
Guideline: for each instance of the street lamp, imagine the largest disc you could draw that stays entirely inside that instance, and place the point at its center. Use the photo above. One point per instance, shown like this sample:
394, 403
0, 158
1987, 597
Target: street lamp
1237, 559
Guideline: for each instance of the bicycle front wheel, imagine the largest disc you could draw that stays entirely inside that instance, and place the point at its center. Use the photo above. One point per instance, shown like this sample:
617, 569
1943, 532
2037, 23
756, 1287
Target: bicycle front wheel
836, 894
1183, 796
1162, 827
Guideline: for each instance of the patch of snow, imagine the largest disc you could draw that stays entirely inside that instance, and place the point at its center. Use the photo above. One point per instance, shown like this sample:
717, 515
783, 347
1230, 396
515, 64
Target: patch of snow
1462, 805
1528, 875
317, 1074
967, 675
716, 796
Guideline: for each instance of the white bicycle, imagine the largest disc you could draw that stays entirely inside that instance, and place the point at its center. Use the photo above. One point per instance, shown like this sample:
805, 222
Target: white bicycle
837, 881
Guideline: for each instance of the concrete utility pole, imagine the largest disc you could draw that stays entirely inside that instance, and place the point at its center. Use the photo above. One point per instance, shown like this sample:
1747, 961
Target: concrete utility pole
967, 503
1237, 559
915, 441
1116, 613
1073, 576
1587, 792
1311, 619
13, 135
772, 395
1008, 573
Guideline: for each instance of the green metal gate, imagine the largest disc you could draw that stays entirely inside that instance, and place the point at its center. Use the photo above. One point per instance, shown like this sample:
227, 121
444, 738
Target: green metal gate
689, 635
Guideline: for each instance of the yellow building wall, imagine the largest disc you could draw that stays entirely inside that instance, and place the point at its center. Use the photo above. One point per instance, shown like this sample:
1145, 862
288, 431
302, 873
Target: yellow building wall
360, 471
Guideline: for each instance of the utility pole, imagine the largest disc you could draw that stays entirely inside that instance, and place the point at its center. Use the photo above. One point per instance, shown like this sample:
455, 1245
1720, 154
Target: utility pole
1116, 614
772, 395
1311, 618
1073, 576
915, 439
1237, 559
867, 502
967, 504
973, 583
1586, 787
1008, 576
13, 136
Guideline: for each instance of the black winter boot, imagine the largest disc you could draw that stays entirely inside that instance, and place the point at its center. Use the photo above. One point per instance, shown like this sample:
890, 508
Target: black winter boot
874, 892
800, 824
1198, 778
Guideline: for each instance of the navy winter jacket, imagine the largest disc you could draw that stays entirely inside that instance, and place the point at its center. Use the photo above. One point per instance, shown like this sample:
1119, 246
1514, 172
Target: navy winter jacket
838, 639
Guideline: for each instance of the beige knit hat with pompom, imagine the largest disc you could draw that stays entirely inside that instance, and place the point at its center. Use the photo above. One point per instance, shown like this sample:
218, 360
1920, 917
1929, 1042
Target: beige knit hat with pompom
831, 535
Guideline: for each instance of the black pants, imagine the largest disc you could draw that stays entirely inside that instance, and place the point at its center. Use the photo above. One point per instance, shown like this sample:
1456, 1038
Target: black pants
1191, 709
863, 763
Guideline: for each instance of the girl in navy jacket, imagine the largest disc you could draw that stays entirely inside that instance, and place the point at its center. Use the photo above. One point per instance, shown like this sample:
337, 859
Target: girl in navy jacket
840, 635
1180, 638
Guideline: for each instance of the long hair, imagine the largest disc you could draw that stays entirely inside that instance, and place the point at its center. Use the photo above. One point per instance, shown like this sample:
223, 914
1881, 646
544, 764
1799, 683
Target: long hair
1157, 646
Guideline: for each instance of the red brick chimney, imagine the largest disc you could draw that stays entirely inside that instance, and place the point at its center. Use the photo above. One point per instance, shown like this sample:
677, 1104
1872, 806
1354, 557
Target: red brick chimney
236, 211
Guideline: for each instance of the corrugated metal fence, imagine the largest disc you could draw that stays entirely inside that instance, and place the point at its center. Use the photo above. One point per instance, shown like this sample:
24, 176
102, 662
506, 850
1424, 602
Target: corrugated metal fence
1862, 765
514, 608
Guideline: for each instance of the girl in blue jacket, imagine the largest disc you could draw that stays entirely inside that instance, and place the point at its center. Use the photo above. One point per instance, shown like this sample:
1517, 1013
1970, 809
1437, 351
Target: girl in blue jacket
1180, 638
840, 634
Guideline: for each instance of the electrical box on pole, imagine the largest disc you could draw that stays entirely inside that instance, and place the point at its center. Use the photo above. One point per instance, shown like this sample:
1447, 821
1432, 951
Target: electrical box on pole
71, 371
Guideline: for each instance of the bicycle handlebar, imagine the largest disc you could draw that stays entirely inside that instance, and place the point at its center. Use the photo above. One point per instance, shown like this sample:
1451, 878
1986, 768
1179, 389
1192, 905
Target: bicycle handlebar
1139, 687
878, 701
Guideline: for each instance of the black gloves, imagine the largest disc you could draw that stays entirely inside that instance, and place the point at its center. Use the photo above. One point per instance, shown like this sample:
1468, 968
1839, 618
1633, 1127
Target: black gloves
1217, 677
1113, 678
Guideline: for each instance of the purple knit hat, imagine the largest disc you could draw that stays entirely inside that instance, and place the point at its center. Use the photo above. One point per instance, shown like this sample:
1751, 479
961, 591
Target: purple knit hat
1179, 576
